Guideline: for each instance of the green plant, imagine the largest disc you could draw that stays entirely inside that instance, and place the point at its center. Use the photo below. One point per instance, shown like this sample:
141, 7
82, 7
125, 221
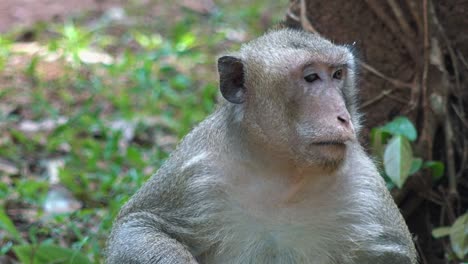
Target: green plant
45, 253
391, 144
458, 234
73, 41
5, 46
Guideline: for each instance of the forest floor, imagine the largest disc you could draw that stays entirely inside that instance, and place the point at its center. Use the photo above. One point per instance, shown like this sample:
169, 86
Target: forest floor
24, 13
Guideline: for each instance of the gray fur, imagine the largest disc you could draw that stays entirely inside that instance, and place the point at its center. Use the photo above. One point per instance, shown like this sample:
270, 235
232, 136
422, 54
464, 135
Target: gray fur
200, 206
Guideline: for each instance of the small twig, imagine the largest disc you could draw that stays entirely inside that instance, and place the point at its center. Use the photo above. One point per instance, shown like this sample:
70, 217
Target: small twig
401, 19
452, 175
291, 15
426, 52
414, 98
448, 204
462, 59
463, 161
420, 250
395, 82
452, 180
442, 216
305, 23
376, 99
398, 99
425, 138
460, 116
381, 13
453, 56
434, 194
429, 197
413, 7
290, 12
411, 107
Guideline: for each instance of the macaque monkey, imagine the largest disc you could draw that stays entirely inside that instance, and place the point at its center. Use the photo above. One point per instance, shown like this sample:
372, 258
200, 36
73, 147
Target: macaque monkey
275, 175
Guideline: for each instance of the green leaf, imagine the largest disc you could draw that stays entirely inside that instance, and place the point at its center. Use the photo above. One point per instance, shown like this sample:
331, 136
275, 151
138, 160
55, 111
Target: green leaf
49, 254
7, 224
398, 157
31, 190
401, 126
416, 165
459, 236
437, 169
185, 42
441, 232
4, 190
378, 139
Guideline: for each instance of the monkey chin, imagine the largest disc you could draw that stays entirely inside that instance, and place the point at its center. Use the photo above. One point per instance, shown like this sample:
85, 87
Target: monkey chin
328, 156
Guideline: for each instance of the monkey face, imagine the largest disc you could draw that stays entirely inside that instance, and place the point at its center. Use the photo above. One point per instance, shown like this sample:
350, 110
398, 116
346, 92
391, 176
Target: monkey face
323, 125
294, 99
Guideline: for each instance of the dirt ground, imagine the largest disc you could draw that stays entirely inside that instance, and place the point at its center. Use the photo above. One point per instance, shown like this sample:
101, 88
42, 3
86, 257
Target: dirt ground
23, 13
20, 13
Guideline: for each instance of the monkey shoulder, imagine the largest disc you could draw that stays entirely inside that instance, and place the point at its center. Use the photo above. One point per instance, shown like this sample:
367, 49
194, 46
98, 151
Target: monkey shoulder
384, 235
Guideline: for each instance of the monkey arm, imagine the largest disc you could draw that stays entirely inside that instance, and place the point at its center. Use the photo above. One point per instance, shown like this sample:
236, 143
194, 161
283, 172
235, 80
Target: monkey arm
387, 239
161, 223
138, 238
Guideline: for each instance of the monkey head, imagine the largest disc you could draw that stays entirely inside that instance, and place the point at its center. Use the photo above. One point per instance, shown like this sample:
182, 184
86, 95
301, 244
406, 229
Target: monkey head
293, 93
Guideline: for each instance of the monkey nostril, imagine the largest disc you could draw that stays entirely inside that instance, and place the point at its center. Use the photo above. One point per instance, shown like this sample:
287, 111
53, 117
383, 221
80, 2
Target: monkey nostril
343, 120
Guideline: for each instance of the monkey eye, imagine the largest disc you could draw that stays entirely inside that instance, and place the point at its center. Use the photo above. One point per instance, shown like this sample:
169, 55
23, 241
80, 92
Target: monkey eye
338, 74
311, 77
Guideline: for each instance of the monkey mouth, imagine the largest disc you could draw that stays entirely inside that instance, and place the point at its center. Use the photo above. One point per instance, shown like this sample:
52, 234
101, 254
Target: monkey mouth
325, 143
333, 141
330, 143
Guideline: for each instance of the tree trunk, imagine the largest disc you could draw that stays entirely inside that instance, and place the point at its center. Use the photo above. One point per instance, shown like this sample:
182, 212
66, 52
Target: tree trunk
413, 56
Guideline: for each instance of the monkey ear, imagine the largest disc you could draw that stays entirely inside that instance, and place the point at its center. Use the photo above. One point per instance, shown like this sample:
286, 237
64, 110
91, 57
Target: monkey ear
231, 79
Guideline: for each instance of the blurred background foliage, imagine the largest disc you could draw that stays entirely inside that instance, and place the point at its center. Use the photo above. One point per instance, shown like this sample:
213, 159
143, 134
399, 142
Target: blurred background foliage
92, 102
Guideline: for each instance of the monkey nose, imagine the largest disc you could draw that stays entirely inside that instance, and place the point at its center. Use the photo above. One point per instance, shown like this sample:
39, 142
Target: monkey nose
345, 120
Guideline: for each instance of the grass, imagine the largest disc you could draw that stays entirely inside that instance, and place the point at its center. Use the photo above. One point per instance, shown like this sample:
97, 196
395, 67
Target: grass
84, 135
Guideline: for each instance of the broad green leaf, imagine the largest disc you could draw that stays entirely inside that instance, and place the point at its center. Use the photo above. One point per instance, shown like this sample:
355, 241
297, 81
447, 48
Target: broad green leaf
401, 126
437, 169
7, 224
441, 232
415, 165
459, 236
398, 157
49, 254
185, 42
378, 139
